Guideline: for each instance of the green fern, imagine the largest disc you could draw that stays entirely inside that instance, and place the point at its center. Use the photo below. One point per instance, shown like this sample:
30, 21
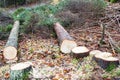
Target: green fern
113, 1
45, 14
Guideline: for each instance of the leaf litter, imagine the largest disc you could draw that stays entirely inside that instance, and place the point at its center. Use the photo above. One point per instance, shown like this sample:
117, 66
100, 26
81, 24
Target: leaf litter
49, 63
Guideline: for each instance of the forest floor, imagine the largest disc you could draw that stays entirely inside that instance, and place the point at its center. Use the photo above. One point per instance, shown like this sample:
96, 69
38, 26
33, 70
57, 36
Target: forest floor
42, 50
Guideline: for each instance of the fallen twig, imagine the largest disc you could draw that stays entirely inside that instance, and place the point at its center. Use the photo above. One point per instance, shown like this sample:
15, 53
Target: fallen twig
113, 43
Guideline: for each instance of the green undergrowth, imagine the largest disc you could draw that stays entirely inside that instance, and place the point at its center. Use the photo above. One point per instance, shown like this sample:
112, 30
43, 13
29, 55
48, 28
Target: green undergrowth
85, 68
88, 67
4, 31
110, 67
87, 6
43, 14
46, 14
5, 24
6, 28
78, 11
113, 1
114, 73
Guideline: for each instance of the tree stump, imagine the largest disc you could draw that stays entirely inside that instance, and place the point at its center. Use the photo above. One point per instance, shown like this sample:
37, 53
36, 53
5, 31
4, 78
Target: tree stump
94, 52
10, 50
80, 52
65, 40
20, 71
106, 60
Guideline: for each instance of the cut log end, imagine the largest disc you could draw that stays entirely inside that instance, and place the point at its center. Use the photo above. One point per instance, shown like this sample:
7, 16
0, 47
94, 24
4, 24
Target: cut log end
94, 52
21, 66
67, 46
80, 52
10, 52
106, 59
20, 71
66, 42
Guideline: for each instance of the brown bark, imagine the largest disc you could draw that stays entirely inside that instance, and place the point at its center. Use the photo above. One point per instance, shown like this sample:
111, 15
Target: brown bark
61, 33
10, 50
65, 40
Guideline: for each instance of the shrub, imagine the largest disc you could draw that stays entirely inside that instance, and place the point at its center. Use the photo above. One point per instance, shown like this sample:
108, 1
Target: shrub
76, 12
47, 14
17, 14
113, 1
39, 15
6, 28
77, 6
9, 27
2, 11
4, 31
86, 5
112, 74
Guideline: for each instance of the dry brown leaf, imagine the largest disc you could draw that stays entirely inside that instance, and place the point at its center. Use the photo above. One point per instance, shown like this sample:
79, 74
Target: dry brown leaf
6, 75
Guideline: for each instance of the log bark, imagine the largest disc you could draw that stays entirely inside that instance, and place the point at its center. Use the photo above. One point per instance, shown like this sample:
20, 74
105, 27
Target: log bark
80, 52
20, 71
106, 60
65, 40
10, 50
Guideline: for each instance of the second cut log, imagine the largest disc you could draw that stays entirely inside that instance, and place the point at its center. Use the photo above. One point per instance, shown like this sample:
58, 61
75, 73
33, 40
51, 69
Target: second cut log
65, 40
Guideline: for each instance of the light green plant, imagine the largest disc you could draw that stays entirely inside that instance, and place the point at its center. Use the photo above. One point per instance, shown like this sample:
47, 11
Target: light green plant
111, 74
86, 67
31, 50
74, 61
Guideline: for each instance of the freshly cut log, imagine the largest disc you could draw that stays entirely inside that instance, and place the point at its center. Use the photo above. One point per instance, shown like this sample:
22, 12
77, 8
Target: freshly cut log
65, 40
10, 50
20, 71
80, 52
106, 59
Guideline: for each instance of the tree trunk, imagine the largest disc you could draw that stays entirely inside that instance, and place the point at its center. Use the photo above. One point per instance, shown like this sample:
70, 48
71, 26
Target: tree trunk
80, 52
10, 50
106, 60
4, 3
20, 71
65, 40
